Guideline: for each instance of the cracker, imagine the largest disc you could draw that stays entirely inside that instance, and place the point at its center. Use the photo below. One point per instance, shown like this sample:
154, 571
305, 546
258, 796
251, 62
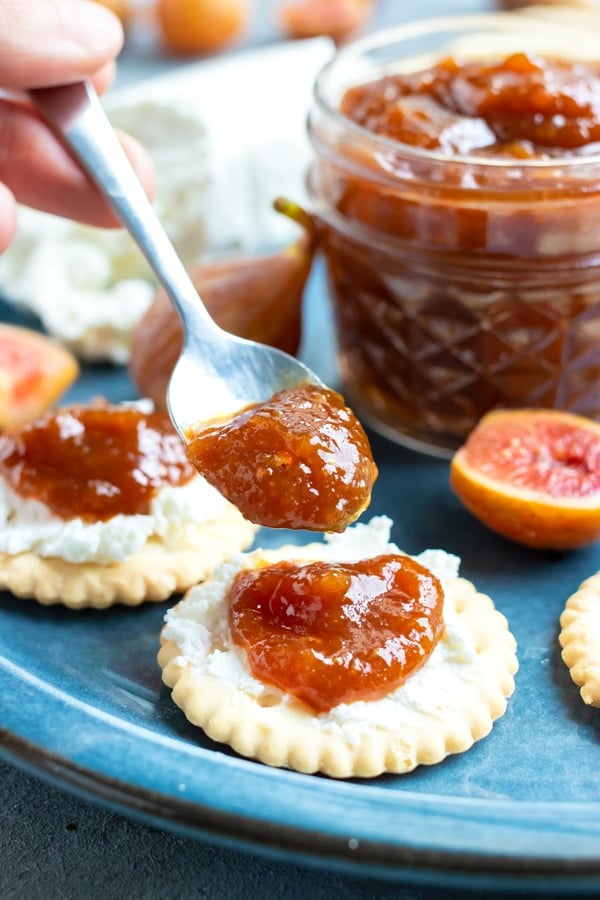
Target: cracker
580, 639
261, 722
153, 573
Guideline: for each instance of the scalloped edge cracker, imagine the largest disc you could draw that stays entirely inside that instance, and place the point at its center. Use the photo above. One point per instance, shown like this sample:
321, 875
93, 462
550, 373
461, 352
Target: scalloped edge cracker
154, 573
579, 638
280, 731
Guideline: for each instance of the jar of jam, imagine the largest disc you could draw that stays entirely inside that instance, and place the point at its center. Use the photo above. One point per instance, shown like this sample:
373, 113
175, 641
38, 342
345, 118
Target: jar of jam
456, 176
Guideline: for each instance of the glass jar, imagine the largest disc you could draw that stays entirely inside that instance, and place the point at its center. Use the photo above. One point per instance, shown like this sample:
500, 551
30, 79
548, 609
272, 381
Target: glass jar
459, 283
563, 5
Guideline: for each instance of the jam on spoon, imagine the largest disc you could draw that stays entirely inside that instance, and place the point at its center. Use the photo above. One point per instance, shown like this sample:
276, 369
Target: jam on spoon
299, 460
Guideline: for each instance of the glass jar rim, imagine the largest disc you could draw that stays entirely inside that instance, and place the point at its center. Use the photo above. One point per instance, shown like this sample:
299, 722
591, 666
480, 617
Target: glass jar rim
422, 27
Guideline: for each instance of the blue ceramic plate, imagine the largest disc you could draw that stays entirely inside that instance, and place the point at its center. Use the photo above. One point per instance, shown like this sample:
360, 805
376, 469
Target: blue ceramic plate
81, 705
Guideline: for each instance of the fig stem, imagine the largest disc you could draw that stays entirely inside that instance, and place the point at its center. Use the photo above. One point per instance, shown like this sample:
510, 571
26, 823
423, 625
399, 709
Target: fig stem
298, 214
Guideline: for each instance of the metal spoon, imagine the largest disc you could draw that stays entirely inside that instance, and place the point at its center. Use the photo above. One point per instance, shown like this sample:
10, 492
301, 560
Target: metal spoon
217, 374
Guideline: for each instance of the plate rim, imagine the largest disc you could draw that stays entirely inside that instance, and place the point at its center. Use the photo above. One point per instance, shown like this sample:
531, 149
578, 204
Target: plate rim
293, 843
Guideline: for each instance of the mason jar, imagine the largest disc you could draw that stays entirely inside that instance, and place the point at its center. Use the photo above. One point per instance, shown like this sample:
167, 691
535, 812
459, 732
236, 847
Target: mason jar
460, 282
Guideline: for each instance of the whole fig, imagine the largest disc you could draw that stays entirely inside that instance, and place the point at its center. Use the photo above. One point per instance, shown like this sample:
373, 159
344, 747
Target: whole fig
255, 297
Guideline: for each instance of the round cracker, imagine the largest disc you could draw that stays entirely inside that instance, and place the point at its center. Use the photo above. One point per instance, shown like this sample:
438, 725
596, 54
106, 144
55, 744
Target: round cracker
579, 638
281, 731
154, 573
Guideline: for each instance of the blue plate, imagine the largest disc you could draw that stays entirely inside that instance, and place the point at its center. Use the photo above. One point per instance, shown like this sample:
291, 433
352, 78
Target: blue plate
83, 707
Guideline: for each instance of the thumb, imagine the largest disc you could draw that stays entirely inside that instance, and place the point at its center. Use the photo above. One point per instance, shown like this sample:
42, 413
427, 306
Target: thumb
45, 42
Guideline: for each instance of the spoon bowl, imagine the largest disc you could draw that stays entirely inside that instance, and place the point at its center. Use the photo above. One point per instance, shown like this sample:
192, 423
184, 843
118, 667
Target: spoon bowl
217, 374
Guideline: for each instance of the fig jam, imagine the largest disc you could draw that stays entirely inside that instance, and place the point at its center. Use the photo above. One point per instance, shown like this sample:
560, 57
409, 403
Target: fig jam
94, 462
461, 228
521, 106
331, 633
300, 460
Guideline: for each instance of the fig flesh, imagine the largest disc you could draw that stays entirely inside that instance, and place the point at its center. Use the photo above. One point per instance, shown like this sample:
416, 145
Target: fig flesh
34, 372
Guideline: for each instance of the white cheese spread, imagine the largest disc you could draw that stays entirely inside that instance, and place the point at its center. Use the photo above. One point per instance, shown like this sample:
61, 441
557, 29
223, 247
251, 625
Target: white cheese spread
199, 627
90, 286
28, 525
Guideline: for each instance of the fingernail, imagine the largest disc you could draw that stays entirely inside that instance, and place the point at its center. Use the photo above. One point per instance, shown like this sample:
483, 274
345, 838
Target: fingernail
92, 25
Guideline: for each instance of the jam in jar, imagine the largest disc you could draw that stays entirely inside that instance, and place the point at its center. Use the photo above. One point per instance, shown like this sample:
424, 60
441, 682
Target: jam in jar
459, 195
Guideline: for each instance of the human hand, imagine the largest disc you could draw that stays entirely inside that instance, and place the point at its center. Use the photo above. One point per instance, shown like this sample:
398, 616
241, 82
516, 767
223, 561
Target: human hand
45, 42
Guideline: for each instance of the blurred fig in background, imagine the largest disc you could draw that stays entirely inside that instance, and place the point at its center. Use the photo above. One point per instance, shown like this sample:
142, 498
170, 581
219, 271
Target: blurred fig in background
120, 7
190, 27
337, 19
35, 371
255, 297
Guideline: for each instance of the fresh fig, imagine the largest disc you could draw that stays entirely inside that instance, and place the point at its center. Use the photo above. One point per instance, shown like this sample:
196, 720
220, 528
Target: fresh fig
192, 27
121, 8
34, 373
337, 19
255, 297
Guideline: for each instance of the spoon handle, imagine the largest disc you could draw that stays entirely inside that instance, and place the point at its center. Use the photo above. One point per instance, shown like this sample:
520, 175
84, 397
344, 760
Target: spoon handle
74, 112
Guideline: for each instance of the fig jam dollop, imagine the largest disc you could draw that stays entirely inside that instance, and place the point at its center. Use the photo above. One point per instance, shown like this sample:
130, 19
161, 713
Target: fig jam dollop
521, 105
331, 633
300, 460
94, 462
